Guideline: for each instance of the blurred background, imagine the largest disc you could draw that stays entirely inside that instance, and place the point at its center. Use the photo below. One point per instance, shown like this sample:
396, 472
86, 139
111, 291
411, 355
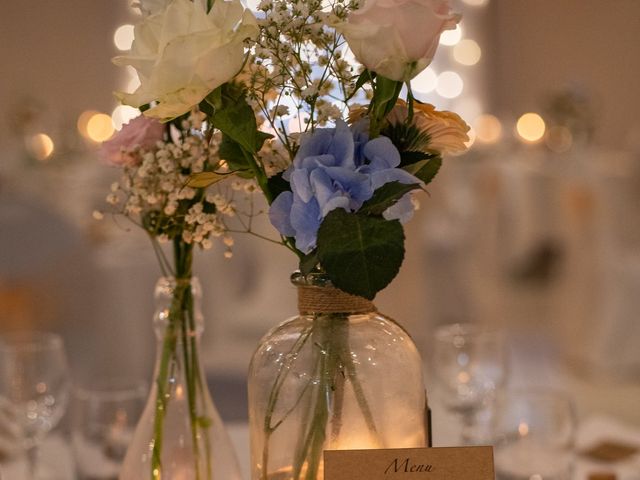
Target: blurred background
535, 231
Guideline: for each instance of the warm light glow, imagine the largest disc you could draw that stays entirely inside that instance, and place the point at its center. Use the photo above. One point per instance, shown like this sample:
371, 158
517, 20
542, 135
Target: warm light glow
123, 37
467, 52
530, 127
559, 139
122, 114
83, 120
488, 129
451, 37
41, 147
464, 377
523, 428
425, 82
468, 107
476, 3
450, 85
99, 127
472, 137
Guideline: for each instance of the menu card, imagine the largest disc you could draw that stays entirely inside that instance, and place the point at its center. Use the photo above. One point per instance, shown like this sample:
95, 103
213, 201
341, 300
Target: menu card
448, 463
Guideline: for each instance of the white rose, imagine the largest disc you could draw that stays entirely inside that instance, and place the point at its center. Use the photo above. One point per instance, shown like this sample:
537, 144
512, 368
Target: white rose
183, 53
151, 7
397, 38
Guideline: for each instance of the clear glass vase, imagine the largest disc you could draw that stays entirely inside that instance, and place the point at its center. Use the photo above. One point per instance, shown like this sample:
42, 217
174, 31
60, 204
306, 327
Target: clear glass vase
180, 435
338, 376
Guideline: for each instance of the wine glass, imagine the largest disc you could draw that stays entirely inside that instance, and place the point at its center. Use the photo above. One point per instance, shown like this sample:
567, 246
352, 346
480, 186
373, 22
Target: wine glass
104, 418
469, 363
533, 434
34, 384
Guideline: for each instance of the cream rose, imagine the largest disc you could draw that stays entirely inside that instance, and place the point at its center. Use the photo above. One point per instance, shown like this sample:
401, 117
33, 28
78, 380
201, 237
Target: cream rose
183, 53
397, 38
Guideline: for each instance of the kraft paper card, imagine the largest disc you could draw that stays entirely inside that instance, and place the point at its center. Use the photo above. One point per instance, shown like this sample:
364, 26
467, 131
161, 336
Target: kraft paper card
449, 463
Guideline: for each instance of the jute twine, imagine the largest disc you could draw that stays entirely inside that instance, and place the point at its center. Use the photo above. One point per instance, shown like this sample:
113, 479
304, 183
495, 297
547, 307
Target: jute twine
326, 299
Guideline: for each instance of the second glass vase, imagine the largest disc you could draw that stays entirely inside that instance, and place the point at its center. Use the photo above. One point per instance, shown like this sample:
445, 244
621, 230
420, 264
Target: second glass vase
180, 435
338, 376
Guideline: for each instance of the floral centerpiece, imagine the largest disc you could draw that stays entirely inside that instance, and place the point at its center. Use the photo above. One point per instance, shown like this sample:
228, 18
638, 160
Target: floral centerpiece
301, 99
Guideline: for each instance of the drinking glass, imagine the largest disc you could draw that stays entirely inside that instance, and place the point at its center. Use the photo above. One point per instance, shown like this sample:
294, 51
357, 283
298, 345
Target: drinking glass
104, 418
34, 386
470, 366
533, 432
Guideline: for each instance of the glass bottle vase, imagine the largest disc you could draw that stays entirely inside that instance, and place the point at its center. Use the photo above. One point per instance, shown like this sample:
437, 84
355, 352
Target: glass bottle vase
180, 435
339, 375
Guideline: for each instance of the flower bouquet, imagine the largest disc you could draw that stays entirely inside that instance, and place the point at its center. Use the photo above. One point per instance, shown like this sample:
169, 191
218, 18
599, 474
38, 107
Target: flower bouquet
300, 100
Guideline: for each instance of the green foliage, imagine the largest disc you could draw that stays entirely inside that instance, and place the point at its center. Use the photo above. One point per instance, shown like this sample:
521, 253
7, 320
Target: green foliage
277, 185
407, 138
385, 197
361, 254
309, 262
232, 115
426, 170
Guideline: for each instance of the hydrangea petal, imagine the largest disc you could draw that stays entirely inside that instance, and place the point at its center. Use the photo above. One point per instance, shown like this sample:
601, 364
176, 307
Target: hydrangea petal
280, 213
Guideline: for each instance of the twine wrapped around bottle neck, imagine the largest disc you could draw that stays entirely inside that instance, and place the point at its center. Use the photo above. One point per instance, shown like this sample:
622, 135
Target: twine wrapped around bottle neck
327, 299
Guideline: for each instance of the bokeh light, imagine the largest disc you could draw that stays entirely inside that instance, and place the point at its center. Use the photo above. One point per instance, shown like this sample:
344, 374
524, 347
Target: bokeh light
467, 52
425, 82
122, 114
40, 146
559, 139
83, 120
488, 129
530, 127
450, 84
472, 137
99, 127
476, 3
123, 37
451, 37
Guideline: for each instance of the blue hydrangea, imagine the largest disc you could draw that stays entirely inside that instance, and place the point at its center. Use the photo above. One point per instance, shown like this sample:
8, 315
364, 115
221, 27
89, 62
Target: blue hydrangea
336, 168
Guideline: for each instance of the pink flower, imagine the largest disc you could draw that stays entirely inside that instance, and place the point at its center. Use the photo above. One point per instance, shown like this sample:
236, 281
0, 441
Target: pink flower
141, 133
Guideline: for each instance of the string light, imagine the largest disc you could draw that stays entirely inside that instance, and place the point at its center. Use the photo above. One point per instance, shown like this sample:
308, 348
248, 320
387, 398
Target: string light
40, 146
449, 85
99, 127
530, 127
425, 82
122, 114
467, 52
123, 37
451, 37
488, 129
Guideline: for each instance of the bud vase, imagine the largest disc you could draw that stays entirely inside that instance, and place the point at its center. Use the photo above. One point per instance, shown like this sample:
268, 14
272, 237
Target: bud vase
339, 375
180, 434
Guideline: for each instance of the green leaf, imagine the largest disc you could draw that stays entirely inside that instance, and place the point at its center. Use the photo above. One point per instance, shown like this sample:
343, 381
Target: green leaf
425, 170
204, 179
361, 254
277, 185
410, 158
364, 77
386, 196
231, 152
234, 117
309, 262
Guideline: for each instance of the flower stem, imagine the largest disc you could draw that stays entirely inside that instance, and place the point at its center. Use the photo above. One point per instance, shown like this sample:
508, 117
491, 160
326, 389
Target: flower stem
180, 330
